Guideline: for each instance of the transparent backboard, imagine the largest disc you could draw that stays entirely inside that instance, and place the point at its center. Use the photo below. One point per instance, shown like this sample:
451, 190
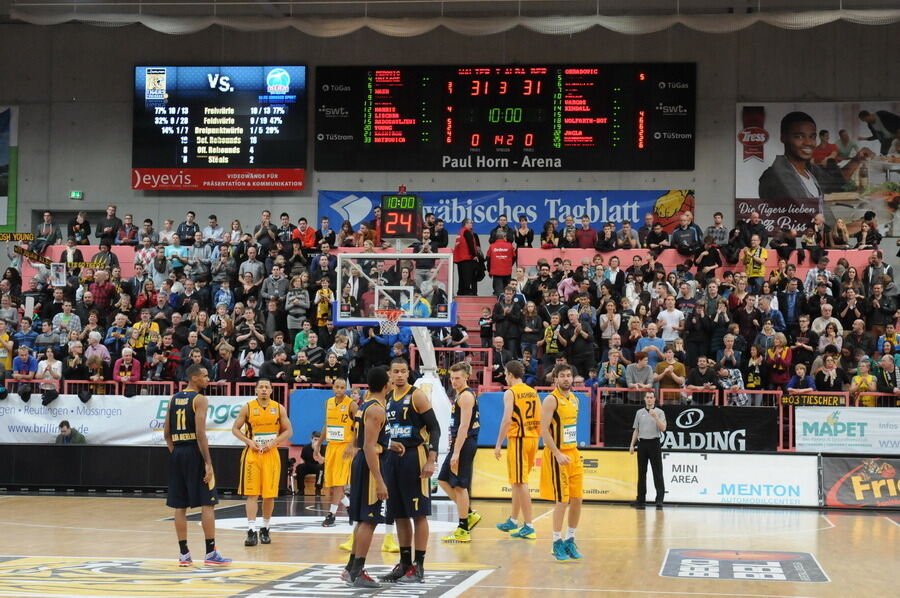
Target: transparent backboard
420, 284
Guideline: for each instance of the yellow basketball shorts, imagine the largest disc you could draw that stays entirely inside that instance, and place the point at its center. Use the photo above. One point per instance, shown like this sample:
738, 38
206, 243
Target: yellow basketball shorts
260, 473
337, 465
520, 453
559, 483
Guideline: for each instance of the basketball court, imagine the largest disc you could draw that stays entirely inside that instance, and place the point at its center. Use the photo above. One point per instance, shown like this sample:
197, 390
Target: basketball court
59, 545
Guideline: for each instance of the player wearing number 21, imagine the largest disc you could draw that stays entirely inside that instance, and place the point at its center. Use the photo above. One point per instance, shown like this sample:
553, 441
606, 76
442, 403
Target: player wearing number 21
262, 425
562, 472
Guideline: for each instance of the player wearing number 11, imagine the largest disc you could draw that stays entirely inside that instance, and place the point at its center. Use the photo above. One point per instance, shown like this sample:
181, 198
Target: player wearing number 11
562, 472
192, 482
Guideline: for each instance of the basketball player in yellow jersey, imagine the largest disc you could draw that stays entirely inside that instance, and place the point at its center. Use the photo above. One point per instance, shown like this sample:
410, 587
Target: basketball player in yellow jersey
521, 428
262, 425
561, 468
339, 432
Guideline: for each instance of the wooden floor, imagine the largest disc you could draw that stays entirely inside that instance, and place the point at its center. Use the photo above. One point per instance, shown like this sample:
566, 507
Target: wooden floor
57, 545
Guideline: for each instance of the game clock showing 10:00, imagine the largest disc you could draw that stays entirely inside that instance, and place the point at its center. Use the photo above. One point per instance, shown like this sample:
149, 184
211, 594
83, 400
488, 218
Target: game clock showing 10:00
401, 217
506, 117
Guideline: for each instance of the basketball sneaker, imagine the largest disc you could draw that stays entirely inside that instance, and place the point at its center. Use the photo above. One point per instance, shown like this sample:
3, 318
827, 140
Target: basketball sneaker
252, 538
526, 532
473, 519
214, 558
396, 573
388, 544
571, 549
413, 574
329, 520
459, 536
507, 526
264, 537
345, 576
364, 581
559, 550
185, 560
348, 545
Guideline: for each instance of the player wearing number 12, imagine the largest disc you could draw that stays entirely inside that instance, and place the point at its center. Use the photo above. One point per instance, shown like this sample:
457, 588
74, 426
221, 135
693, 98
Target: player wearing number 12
562, 472
340, 417
521, 427
262, 424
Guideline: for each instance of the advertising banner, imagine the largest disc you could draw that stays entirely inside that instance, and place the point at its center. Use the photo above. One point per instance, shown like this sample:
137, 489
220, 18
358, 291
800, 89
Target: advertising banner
814, 400
708, 478
719, 478
788, 170
872, 431
110, 419
608, 475
484, 207
700, 428
861, 482
9, 160
211, 179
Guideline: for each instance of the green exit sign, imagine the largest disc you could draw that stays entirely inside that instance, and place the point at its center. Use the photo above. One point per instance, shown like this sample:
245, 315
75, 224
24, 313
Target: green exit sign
79, 195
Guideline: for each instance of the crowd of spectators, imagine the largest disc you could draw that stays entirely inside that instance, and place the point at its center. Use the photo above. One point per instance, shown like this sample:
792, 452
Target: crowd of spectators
257, 303
722, 319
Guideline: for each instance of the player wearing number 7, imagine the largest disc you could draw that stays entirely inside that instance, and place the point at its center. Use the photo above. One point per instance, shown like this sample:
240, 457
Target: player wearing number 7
262, 424
561, 468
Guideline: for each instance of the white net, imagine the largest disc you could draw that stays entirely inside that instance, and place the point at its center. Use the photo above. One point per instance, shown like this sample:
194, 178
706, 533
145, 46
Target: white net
388, 320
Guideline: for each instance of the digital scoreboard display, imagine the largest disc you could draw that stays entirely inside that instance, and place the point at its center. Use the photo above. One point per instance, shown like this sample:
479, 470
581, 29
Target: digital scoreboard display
402, 216
219, 128
514, 117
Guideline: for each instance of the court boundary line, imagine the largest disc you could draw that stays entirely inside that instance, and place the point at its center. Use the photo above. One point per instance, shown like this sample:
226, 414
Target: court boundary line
891, 520
642, 592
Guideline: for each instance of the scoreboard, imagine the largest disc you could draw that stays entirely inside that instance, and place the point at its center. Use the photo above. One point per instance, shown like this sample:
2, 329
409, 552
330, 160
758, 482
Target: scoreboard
506, 118
402, 216
219, 128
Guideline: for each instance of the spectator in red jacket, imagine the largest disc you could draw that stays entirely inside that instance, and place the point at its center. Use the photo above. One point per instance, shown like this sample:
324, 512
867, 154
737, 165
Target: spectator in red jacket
585, 236
500, 258
465, 255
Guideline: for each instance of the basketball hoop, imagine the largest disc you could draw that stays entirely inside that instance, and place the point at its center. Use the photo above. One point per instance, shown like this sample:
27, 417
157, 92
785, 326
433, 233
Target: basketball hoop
387, 319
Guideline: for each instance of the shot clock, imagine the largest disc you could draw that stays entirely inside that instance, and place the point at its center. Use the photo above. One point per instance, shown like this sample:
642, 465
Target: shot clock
508, 117
401, 216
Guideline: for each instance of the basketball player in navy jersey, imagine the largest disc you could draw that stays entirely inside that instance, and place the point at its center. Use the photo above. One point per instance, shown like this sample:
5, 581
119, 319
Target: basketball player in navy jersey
367, 488
192, 482
408, 467
456, 472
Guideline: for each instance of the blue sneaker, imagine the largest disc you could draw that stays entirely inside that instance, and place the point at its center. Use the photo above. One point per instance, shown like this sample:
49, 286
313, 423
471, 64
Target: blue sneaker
559, 550
185, 560
214, 558
507, 526
571, 549
526, 532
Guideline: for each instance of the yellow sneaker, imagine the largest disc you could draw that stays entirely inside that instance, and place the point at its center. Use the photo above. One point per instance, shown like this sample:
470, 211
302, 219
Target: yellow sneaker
459, 536
388, 545
348, 545
473, 519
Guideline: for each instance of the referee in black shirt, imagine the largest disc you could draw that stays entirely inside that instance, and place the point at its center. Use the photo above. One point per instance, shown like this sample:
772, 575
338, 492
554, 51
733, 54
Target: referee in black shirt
648, 424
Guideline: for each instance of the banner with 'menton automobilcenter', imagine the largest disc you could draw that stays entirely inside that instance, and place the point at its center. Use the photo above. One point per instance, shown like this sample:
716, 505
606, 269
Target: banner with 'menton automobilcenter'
699, 428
